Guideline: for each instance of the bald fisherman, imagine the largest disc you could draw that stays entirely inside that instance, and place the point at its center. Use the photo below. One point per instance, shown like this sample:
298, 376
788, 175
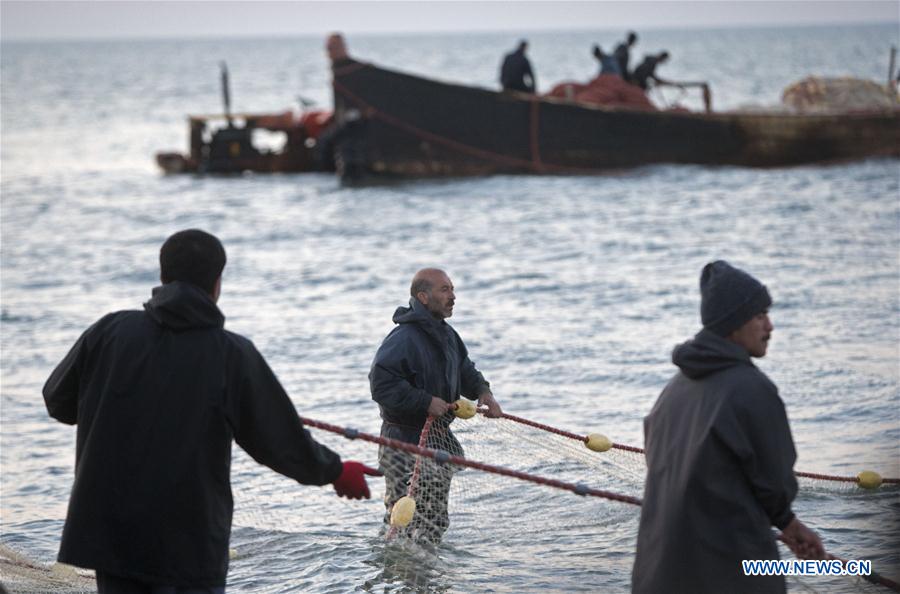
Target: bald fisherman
421, 368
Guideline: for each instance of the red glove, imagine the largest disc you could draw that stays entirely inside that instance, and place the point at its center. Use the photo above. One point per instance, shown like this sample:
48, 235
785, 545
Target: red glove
352, 482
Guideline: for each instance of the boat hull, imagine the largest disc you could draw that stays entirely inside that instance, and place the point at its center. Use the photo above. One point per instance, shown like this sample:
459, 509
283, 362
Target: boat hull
396, 124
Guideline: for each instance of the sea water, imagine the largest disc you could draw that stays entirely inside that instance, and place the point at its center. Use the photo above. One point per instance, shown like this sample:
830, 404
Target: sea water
571, 291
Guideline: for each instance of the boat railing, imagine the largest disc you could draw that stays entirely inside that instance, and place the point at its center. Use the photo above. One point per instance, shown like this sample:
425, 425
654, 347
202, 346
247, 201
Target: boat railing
703, 86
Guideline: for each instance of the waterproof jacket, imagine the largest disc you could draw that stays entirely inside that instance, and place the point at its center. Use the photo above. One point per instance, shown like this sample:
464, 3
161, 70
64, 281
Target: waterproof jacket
420, 358
513, 73
720, 474
621, 54
645, 71
158, 395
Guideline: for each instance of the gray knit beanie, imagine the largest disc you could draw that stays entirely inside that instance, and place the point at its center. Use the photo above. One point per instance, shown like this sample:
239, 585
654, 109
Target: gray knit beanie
729, 297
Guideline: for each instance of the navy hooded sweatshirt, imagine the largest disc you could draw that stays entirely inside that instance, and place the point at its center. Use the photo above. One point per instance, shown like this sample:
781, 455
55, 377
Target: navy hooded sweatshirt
420, 358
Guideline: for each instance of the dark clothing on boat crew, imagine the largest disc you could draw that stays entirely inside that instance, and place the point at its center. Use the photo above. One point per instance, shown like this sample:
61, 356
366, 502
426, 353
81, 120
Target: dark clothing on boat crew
158, 396
646, 70
516, 73
421, 358
621, 55
720, 474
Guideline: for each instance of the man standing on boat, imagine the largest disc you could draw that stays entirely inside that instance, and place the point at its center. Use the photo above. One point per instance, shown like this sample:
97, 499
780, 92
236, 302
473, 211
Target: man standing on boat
420, 369
158, 397
516, 73
719, 455
622, 54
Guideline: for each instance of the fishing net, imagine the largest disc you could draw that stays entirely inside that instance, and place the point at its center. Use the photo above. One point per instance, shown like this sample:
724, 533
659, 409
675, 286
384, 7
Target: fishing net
477, 503
823, 94
423, 493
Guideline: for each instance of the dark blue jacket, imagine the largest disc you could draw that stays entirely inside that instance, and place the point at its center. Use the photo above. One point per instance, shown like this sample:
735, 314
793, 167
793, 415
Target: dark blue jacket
516, 73
420, 358
158, 396
621, 54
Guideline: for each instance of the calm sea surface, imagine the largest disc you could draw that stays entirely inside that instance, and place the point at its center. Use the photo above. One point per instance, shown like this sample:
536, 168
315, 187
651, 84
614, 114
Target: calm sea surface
571, 293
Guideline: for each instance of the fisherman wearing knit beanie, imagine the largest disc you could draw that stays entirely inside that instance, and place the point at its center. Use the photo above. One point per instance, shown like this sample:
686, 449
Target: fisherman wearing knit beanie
719, 455
729, 297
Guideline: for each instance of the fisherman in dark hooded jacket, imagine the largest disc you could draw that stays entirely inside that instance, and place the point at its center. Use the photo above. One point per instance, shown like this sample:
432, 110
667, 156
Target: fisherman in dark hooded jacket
719, 455
421, 368
158, 396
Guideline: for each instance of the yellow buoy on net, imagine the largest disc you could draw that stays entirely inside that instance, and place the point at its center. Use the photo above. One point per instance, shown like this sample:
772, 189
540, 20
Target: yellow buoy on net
868, 479
465, 409
598, 442
402, 512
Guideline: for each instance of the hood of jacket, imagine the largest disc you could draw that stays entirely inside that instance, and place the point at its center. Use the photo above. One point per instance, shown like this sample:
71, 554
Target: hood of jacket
708, 353
416, 313
183, 306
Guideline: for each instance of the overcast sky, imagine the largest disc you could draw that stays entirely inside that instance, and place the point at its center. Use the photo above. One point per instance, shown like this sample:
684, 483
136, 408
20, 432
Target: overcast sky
37, 19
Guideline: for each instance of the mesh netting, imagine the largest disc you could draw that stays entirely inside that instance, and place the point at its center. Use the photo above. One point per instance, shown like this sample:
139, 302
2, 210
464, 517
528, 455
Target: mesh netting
822, 94
466, 501
432, 491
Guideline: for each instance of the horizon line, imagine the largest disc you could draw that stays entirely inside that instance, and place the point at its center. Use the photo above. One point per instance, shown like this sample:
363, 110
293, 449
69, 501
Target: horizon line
516, 32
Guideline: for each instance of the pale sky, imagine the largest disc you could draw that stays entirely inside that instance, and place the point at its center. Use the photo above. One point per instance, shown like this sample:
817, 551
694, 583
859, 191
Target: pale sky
38, 19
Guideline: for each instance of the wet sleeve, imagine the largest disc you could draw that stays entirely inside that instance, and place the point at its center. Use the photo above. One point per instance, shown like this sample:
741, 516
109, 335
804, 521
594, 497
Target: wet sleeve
761, 438
61, 390
392, 378
266, 424
472, 382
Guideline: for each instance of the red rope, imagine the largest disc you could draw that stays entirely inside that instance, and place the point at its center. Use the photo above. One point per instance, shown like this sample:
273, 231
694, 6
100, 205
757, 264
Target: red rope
417, 469
533, 165
637, 450
444, 457
549, 429
414, 479
846, 479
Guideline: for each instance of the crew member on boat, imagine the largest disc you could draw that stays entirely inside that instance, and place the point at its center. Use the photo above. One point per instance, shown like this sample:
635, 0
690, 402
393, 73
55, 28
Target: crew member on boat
646, 71
516, 73
622, 54
719, 455
608, 62
421, 367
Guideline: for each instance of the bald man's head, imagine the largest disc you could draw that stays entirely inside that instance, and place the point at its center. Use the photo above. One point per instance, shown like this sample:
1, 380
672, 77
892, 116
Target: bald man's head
433, 289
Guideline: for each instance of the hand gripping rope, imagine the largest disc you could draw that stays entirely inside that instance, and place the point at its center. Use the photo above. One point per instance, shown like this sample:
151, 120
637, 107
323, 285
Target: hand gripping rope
441, 457
873, 577
867, 479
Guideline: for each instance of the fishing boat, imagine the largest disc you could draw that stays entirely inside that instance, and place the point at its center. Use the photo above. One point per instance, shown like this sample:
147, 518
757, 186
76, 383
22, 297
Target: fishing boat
393, 124
282, 142
260, 143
